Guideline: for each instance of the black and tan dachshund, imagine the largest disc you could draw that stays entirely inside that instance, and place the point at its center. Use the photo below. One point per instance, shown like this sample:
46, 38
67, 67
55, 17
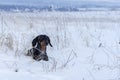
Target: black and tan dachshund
39, 44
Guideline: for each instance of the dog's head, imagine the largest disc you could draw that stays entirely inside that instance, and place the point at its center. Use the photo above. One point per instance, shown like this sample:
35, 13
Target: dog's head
44, 38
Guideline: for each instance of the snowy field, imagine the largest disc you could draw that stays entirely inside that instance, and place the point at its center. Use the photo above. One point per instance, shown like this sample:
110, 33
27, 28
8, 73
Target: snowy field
86, 45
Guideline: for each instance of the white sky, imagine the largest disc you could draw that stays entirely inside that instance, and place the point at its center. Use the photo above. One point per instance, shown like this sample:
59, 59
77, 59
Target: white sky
41, 2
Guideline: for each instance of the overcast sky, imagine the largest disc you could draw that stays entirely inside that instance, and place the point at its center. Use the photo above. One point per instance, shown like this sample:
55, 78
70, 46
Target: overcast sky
57, 2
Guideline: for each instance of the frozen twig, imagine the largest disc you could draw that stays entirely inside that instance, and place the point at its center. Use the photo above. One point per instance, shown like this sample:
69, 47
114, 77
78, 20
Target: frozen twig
69, 59
90, 73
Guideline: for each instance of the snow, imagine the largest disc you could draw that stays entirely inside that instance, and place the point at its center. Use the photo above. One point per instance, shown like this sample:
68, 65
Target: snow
86, 45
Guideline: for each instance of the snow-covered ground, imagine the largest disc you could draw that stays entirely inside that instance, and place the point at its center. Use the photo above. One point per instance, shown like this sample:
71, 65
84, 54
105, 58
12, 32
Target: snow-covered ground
86, 45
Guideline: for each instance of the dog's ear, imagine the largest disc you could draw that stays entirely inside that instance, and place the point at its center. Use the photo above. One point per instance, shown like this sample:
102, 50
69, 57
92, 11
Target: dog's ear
48, 41
50, 44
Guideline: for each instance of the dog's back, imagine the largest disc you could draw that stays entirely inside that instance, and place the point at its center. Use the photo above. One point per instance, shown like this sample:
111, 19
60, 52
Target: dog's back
37, 54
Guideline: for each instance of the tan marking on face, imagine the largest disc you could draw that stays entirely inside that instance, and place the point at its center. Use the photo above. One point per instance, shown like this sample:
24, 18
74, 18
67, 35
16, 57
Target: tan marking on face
43, 46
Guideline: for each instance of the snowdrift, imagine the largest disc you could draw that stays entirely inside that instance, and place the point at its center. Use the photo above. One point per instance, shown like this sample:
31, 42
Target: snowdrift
86, 45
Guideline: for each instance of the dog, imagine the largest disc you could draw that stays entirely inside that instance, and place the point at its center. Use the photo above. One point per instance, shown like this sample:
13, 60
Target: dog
39, 44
